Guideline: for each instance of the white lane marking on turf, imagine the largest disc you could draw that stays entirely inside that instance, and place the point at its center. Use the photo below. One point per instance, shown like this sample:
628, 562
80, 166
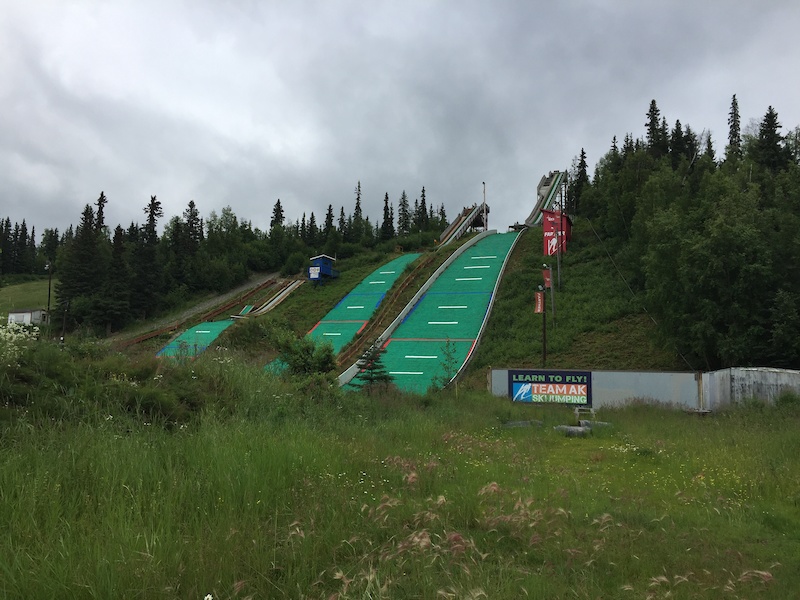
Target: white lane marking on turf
419, 356
331, 334
355, 307
388, 272
478, 267
405, 372
372, 282
202, 331
469, 278
453, 307
442, 322
480, 257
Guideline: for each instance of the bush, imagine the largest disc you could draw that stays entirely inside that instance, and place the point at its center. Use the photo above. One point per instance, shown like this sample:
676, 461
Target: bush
788, 398
157, 405
294, 264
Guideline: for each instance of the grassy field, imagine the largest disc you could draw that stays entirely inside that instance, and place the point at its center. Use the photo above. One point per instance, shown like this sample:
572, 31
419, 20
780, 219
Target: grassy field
276, 496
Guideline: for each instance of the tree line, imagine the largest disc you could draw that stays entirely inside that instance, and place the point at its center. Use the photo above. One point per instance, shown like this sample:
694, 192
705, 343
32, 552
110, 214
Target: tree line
711, 245
107, 278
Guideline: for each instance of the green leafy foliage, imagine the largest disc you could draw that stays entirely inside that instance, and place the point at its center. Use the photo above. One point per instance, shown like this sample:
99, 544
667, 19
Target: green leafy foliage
714, 250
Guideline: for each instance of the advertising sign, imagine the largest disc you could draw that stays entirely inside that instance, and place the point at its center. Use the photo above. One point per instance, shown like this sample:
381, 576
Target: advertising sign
550, 387
313, 272
539, 302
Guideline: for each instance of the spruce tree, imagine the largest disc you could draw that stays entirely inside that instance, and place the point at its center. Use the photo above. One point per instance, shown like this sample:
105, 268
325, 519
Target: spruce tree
77, 267
387, 226
23, 262
733, 152
312, 232
5, 247
374, 374
355, 231
145, 299
769, 150
50, 244
100, 212
709, 149
194, 228
328, 222
423, 211
580, 182
342, 223
403, 216
277, 215
657, 132
111, 310
677, 145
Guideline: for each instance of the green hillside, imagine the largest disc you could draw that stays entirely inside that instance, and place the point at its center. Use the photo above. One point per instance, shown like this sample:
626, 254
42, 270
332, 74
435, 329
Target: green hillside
27, 295
600, 323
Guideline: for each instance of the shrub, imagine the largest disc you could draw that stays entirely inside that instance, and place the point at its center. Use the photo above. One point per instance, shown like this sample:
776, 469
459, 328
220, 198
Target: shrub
294, 264
788, 398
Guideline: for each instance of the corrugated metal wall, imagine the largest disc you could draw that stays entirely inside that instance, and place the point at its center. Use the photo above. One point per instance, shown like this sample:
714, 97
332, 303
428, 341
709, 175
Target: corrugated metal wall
690, 391
731, 386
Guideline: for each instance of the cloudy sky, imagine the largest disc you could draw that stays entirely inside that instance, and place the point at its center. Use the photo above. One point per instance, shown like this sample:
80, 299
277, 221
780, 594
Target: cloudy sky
241, 102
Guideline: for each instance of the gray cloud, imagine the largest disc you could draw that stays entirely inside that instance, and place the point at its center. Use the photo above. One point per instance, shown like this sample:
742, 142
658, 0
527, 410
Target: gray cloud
243, 103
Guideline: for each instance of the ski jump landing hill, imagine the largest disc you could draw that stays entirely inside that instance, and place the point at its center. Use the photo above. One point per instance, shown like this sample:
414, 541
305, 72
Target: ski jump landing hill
349, 317
435, 335
197, 339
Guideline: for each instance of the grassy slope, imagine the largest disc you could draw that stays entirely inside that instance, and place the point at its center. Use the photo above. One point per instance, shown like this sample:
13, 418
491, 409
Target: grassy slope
31, 294
599, 324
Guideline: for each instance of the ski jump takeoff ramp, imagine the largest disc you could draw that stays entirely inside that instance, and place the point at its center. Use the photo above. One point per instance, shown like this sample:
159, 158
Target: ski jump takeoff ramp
439, 332
353, 311
546, 194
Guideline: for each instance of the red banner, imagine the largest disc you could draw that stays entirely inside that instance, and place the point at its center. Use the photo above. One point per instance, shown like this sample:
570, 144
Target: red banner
555, 232
546, 277
539, 302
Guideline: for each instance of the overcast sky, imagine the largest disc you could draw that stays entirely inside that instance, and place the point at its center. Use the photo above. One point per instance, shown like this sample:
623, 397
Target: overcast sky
241, 102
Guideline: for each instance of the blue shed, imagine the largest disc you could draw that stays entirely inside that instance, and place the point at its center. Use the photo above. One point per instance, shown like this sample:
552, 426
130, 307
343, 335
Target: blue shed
322, 268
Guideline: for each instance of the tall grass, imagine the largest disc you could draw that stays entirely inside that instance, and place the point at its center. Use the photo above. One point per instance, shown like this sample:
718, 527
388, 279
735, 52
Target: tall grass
266, 488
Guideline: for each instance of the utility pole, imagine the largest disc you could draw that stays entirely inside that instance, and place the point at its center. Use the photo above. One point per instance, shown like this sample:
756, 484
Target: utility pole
543, 292
49, 268
549, 268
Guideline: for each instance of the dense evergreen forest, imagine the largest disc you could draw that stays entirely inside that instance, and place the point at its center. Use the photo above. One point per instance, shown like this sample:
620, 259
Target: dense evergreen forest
711, 244
109, 278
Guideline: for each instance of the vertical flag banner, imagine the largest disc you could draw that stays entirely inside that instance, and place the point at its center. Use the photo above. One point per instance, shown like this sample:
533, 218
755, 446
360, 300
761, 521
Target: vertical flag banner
546, 277
556, 230
539, 302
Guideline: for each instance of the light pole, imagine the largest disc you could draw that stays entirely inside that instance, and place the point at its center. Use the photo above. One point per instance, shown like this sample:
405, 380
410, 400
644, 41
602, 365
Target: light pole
485, 224
543, 291
49, 268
